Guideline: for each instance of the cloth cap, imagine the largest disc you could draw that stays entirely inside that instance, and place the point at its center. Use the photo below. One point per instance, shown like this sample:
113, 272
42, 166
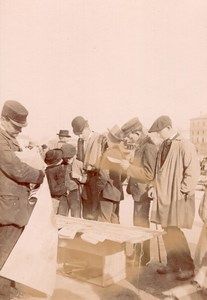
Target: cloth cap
115, 134
16, 113
53, 156
160, 123
78, 124
64, 133
68, 150
131, 126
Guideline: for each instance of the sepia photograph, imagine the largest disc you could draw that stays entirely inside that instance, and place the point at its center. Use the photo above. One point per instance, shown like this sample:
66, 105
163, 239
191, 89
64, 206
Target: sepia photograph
103, 149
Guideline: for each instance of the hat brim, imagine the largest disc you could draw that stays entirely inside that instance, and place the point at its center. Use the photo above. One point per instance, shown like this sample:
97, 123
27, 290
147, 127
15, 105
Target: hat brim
118, 139
18, 124
63, 135
77, 132
57, 160
152, 130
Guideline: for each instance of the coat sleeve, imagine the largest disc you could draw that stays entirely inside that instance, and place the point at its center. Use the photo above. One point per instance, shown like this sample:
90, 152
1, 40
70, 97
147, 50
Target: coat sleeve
17, 170
145, 172
191, 167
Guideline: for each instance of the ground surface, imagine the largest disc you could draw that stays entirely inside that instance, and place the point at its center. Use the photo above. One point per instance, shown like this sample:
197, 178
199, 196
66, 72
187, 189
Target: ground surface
141, 283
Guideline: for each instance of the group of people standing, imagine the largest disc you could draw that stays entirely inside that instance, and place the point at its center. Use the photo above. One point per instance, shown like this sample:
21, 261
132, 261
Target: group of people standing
161, 177
87, 179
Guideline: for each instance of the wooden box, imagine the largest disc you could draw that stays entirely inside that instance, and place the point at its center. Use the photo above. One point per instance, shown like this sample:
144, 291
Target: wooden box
102, 263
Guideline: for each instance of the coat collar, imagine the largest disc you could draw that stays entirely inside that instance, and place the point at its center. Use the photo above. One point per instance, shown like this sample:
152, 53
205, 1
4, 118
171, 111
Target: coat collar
8, 137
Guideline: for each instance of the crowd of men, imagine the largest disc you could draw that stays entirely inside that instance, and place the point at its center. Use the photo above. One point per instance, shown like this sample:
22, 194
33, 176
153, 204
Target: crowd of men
86, 181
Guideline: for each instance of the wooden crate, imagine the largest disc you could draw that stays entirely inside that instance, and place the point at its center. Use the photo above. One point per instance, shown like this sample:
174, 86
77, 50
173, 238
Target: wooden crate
101, 264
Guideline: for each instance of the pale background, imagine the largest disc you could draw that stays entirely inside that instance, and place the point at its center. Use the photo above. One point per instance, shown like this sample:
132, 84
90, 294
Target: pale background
108, 60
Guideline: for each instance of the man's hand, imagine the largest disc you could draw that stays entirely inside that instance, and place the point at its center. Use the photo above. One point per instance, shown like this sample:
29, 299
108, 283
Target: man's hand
151, 193
124, 164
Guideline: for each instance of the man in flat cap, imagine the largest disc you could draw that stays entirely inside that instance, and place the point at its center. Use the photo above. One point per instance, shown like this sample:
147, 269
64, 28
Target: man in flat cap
176, 176
15, 180
140, 173
90, 148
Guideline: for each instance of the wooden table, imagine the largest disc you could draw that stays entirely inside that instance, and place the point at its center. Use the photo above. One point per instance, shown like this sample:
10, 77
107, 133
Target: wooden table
95, 251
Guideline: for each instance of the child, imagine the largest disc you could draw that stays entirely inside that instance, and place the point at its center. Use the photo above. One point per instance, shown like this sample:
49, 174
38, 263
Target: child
74, 177
55, 175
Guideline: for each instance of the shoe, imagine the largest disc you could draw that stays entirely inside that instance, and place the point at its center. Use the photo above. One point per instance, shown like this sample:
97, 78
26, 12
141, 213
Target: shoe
90, 217
166, 270
185, 275
15, 293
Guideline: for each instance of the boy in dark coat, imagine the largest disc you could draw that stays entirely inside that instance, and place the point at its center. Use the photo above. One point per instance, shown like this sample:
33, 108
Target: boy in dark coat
55, 175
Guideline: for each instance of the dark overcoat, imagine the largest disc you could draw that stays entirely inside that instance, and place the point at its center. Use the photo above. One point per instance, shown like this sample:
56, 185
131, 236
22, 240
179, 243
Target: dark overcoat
15, 177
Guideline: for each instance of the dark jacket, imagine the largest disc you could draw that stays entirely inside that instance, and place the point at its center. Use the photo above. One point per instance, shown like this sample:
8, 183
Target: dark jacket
56, 180
15, 177
142, 169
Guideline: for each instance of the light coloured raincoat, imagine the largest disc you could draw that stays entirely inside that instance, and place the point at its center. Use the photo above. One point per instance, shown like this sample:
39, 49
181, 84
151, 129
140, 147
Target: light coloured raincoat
179, 174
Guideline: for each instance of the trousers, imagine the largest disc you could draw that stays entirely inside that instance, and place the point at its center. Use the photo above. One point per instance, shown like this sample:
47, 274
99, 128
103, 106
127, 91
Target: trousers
70, 202
178, 252
9, 234
108, 211
141, 218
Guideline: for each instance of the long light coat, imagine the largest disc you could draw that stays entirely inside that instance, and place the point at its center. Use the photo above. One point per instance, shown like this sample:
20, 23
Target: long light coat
179, 174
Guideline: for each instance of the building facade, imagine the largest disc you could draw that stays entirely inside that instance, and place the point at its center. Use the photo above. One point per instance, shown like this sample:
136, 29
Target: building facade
198, 134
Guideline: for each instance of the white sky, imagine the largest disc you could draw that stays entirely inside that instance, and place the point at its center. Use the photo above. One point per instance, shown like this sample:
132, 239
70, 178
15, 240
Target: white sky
107, 60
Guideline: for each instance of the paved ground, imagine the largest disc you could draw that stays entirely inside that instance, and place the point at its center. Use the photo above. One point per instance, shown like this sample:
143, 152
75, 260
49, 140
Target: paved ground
140, 283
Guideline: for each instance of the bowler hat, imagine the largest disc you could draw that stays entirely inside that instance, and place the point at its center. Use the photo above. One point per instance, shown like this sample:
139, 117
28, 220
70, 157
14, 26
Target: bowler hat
68, 150
131, 126
53, 156
78, 124
115, 134
15, 112
160, 123
64, 133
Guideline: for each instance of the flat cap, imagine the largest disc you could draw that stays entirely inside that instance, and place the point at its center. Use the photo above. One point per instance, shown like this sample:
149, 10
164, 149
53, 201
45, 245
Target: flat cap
68, 150
16, 113
131, 126
160, 123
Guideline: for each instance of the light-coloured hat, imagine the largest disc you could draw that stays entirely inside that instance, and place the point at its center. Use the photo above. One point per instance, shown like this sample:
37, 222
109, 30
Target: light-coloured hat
115, 134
